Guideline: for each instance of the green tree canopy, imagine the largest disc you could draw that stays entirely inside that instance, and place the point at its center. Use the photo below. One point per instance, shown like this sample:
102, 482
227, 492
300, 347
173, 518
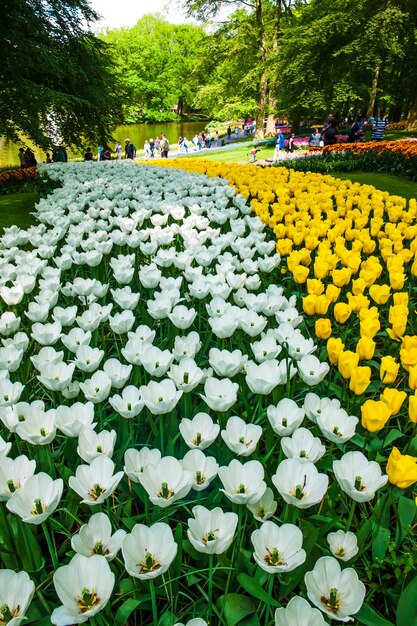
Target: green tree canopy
55, 83
156, 65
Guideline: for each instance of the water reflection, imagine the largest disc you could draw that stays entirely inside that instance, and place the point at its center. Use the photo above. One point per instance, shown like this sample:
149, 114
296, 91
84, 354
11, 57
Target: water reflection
137, 133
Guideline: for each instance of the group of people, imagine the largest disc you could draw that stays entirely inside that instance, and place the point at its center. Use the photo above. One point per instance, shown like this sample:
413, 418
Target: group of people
280, 145
330, 130
27, 158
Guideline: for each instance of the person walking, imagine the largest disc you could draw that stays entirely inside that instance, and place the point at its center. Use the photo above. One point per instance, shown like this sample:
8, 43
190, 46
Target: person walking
164, 146
88, 156
229, 133
291, 143
279, 145
379, 127
130, 150
118, 151
99, 152
216, 139
185, 145
22, 160
146, 149
329, 132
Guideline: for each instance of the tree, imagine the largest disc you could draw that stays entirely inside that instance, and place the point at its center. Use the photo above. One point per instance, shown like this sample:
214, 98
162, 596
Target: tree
156, 65
267, 15
55, 83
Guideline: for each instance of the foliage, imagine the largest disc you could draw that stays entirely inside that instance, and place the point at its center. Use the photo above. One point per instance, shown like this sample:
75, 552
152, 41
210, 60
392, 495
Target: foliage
331, 52
55, 80
155, 63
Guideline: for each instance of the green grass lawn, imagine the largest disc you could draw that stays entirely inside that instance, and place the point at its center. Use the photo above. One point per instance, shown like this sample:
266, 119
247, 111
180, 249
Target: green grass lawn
395, 185
16, 208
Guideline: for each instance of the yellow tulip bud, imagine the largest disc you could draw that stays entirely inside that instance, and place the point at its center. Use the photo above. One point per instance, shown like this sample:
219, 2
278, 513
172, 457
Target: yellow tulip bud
380, 293
323, 328
315, 287
332, 293
401, 469
365, 348
342, 312
300, 274
393, 398
375, 414
348, 360
322, 305
360, 379
388, 370
309, 304
412, 408
334, 349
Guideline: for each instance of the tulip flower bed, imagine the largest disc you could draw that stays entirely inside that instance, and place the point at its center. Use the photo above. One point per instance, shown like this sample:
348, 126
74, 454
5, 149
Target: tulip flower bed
173, 450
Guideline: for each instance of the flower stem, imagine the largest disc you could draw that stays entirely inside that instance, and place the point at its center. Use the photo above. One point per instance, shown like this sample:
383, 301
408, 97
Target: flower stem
351, 514
268, 603
51, 548
210, 586
153, 600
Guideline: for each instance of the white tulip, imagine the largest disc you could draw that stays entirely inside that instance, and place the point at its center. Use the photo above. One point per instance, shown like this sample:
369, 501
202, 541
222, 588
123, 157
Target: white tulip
75, 338
117, 372
302, 445
358, 477
203, 468
299, 346
16, 593
339, 594
5, 448
56, 376
285, 417
343, 545
160, 398
97, 388
243, 483
36, 499
149, 551
84, 587
137, 460
298, 612
225, 363
262, 378
182, 317
122, 322
129, 404
166, 481
46, 334
186, 375
278, 548
96, 537
314, 405
224, 326
199, 432
220, 394
9, 392
125, 298
265, 507
88, 359
241, 438
311, 370
187, 346
92, 444
95, 482
39, 428
72, 420
266, 349
9, 323
300, 484
46, 356
336, 425
13, 474
156, 361
66, 317
211, 532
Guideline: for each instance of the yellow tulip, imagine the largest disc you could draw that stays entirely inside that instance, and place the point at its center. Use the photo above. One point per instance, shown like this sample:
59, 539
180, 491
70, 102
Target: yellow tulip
348, 360
323, 328
358, 286
412, 377
380, 293
360, 379
315, 287
375, 414
365, 348
412, 408
369, 327
408, 352
284, 246
400, 298
300, 274
388, 370
332, 292
393, 398
401, 469
322, 305
341, 277
334, 347
309, 304
342, 312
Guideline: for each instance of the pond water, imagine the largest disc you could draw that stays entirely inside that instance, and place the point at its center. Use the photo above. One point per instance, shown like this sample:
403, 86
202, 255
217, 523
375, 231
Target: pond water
137, 133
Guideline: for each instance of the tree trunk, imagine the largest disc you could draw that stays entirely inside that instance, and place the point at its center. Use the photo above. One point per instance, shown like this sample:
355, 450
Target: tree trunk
374, 90
412, 116
261, 109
